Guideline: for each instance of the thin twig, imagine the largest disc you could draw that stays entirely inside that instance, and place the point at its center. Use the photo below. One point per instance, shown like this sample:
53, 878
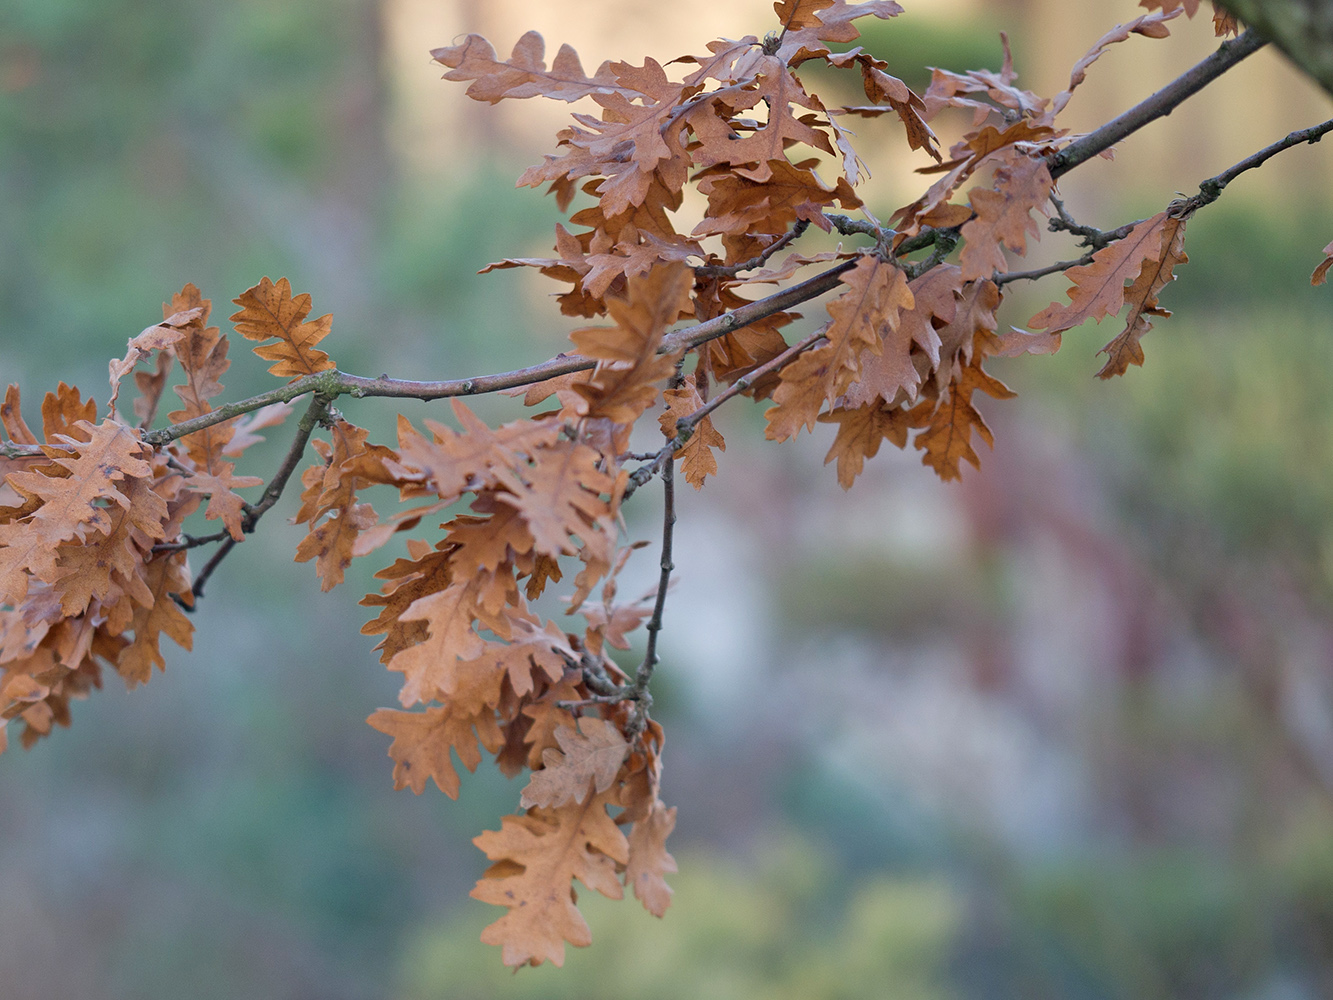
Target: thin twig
191, 542
639, 689
685, 425
848, 226
1211, 189
1041, 272
945, 241
197, 591
334, 383
12, 449
314, 414
785, 240
1161, 103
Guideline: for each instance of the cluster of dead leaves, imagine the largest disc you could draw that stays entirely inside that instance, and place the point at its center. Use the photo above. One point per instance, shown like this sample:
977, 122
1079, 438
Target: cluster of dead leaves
92, 566
491, 674
897, 355
93, 553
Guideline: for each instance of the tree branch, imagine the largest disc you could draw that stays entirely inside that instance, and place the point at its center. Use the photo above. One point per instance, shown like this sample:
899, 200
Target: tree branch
1159, 104
315, 413
638, 690
1041, 272
785, 240
1211, 189
1302, 29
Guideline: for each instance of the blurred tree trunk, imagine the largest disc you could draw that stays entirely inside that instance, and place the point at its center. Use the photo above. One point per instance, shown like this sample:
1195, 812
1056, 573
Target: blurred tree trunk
1303, 29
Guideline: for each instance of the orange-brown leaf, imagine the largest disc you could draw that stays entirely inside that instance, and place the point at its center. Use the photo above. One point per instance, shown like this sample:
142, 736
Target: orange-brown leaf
164, 577
270, 311
696, 455
860, 431
863, 321
649, 860
158, 337
629, 366
524, 74
406, 582
11, 417
947, 440
472, 460
223, 503
912, 345
110, 454
1318, 278
422, 741
1099, 287
430, 667
559, 496
1022, 183
1148, 25
537, 856
588, 761
1125, 350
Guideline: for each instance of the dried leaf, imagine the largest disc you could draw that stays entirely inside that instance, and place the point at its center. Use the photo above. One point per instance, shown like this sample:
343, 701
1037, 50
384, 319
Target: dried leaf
158, 337
1099, 287
1125, 349
268, 311
422, 741
947, 440
696, 455
1003, 215
1148, 25
649, 860
1318, 278
524, 74
430, 667
860, 431
588, 761
537, 856
559, 496
863, 319
223, 503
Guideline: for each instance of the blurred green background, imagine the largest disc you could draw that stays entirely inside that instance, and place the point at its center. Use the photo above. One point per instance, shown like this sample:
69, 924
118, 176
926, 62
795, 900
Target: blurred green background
1062, 730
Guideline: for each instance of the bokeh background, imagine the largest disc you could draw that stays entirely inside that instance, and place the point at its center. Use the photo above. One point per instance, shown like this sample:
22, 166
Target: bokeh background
1062, 730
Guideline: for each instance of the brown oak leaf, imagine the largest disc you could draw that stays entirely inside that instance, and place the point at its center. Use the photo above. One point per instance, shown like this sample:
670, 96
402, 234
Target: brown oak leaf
588, 761
422, 741
1125, 350
223, 503
1003, 215
947, 440
524, 74
695, 455
1099, 287
536, 857
1318, 278
649, 860
270, 311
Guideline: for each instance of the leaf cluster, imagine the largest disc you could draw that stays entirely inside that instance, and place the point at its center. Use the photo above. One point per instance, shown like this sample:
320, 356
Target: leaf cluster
93, 548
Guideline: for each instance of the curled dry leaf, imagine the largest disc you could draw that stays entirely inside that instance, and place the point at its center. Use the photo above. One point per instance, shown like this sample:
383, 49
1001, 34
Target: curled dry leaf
1321, 272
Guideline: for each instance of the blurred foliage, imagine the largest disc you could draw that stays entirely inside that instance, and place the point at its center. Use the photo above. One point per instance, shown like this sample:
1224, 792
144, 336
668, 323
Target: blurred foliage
1229, 423
732, 933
